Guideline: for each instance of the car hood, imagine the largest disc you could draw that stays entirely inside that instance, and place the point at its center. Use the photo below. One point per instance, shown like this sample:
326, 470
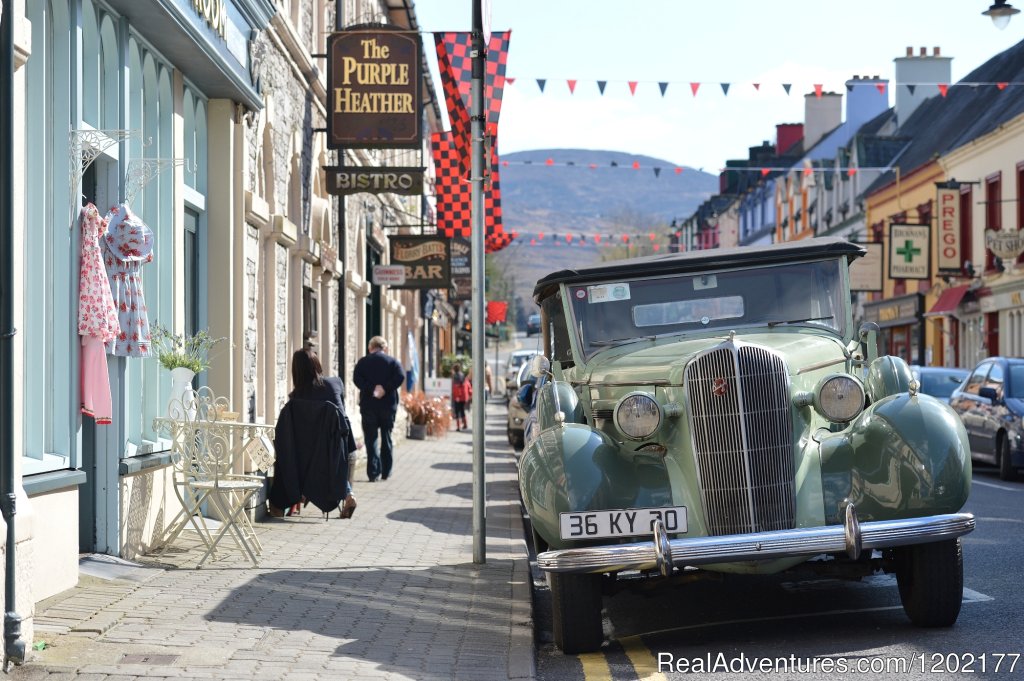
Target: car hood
641, 363
1015, 405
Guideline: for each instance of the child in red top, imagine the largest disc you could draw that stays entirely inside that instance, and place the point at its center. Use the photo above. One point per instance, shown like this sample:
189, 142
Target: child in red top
462, 392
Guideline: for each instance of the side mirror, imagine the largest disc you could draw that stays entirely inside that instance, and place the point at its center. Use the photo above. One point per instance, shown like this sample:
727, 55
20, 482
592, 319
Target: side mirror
540, 366
869, 341
988, 393
526, 395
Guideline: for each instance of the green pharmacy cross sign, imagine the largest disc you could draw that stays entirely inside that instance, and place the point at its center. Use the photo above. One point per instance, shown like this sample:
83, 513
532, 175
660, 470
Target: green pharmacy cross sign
909, 251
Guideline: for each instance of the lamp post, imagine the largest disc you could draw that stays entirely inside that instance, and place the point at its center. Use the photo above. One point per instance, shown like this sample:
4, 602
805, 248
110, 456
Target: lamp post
1000, 13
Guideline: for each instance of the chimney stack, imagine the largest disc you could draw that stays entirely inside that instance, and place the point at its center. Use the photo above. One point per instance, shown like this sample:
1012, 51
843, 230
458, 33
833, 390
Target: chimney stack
918, 70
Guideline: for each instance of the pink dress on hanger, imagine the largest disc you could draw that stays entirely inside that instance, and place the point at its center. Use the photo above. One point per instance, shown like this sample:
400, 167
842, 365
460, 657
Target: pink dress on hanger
97, 318
128, 245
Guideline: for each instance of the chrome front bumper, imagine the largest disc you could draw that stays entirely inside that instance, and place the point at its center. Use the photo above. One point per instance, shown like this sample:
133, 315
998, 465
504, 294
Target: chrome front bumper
851, 538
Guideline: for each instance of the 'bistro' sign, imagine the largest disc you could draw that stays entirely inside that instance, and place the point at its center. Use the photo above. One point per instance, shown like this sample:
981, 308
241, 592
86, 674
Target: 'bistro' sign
373, 88
343, 181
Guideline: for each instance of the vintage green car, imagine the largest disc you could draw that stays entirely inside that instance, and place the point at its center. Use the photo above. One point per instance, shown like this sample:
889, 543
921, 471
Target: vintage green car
717, 410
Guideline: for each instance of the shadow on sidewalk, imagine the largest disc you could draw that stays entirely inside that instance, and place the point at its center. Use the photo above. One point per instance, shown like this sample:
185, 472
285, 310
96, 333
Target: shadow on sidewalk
490, 467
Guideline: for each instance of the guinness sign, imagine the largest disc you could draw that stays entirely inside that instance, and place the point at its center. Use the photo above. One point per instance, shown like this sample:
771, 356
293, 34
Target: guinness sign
373, 88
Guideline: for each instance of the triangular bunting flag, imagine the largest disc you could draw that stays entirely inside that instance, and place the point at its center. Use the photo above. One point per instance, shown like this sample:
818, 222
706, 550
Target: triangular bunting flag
849, 87
1001, 86
881, 88
615, 164
943, 89
597, 238
817, 90
678, 170
572, 86
911, 88
807, 171
764, 172
592, 165
657, 247
725, 89
632, 87
662, 86
757, 86
694, 87
510, 81
541, 82
540, 235
851, 171
601, 84
636, 165
786, 86
657, 172
549, 162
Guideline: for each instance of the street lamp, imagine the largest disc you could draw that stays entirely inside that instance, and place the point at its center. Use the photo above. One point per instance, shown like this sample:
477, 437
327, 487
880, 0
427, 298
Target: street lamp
1001, 13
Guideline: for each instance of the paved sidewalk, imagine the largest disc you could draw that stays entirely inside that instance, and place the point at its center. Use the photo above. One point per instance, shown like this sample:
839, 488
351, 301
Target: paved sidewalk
392, 593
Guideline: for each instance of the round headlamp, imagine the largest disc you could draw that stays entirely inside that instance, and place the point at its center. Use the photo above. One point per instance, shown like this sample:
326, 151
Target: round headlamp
638, 416
839, 398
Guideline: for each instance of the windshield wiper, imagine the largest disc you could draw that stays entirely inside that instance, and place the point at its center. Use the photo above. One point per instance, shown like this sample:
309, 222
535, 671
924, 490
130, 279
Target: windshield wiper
614, 341
797, 321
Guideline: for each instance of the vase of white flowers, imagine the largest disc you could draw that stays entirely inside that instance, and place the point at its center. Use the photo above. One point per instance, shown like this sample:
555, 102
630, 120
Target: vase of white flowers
184, 356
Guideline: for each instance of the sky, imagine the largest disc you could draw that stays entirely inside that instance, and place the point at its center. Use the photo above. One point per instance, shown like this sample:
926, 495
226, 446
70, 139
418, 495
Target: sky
740, 42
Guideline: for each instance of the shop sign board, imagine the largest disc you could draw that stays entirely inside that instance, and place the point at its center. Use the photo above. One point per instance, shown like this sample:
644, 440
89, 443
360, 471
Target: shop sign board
388, 275
948, 201
382, 180
462, 282
427, 261
373, 88
437, 386
866, 273
909, 251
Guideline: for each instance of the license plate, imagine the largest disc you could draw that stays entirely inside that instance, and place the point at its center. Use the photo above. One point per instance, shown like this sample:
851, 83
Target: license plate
620, 523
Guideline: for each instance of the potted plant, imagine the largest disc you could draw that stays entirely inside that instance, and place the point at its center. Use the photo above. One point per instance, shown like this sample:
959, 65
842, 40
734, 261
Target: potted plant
427, 415
184, 356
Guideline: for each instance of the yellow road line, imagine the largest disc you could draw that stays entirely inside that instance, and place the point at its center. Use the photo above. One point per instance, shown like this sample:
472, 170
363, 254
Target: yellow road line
644, 663
595, 667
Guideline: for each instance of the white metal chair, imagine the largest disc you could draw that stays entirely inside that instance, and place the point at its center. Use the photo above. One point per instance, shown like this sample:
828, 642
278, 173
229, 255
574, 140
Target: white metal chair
204, 462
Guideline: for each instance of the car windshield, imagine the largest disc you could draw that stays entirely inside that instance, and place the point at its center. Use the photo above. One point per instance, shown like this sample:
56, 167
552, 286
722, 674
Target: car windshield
625, 310
941, 383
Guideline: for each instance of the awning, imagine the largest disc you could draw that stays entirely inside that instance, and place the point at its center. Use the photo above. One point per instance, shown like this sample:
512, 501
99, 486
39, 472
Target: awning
949, 301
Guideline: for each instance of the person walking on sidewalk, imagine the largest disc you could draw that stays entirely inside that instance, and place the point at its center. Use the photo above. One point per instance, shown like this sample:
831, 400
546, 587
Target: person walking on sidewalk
462, 392
378, 376
314, 443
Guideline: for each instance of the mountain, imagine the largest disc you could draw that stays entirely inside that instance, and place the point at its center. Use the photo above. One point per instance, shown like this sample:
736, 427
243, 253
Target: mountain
587, 193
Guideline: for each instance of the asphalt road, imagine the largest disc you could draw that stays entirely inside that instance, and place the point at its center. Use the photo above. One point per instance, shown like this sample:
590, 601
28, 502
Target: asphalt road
808, 626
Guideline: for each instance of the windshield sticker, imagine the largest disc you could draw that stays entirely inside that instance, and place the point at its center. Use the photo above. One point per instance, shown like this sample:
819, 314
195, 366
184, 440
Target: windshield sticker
581, 294
604, 293
705, 281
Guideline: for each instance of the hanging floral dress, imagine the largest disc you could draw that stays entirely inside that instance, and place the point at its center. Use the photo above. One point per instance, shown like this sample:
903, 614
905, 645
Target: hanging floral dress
97, 318
127, 246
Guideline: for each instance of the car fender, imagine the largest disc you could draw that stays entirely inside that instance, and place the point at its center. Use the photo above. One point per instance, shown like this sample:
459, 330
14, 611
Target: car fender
905, 456
572, 467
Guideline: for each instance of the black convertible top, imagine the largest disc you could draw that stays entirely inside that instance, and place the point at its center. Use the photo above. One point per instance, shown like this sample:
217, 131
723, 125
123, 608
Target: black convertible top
696, 261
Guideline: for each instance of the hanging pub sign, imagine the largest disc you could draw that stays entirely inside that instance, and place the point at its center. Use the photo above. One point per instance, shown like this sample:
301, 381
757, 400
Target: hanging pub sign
427, 261
374, 180
462, 281
373, 88
909, 251
866, 272
948, 201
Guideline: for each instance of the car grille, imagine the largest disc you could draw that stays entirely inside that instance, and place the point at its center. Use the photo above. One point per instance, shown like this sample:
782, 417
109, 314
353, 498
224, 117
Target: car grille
739, 410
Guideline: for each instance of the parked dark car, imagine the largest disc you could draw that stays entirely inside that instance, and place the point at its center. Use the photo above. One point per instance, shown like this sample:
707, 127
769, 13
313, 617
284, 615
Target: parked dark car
533, 325
519, 406
991, 405
939, 382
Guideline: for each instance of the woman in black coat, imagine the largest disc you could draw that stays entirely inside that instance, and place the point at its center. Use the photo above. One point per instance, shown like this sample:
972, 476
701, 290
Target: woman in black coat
313, 440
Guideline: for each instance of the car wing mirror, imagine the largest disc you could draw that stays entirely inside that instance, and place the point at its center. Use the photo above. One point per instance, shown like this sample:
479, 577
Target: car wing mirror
869, 341
540, 366
988, 393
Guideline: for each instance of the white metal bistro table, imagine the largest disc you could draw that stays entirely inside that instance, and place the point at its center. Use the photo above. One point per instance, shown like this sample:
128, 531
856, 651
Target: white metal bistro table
216, 462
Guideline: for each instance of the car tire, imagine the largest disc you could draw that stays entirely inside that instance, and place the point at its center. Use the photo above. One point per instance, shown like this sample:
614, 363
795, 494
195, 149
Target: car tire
517, 440
576, 612
931, 582
1007, 471
511, 436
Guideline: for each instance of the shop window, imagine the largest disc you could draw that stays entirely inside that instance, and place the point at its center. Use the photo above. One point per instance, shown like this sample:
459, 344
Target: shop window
993, 212
310, 315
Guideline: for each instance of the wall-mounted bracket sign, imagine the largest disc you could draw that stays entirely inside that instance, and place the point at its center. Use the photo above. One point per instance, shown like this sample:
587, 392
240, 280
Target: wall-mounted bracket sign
427, 260
382, 180
374, 80
909, 251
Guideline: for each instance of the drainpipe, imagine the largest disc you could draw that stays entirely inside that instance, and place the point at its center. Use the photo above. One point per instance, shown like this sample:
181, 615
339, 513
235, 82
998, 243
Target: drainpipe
14, 647
342, 236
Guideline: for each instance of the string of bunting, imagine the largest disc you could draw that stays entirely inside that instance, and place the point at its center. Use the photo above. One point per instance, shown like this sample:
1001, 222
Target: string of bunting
819, 88
645, 240
678, 170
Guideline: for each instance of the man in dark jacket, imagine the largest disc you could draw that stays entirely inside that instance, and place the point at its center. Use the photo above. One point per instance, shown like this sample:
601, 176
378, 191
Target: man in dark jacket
378, 376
